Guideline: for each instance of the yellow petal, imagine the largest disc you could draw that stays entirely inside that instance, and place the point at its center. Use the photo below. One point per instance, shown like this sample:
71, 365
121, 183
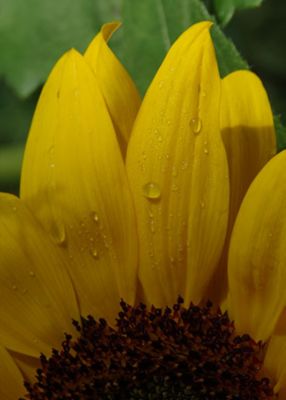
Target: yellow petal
37, 297
74, 180
257, 256
178, 172
27, 365
274, 362
11, 380
120, 94
249, 138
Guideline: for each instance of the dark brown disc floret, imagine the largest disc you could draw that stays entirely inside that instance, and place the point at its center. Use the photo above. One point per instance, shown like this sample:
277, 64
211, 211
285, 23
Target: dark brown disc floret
180, 353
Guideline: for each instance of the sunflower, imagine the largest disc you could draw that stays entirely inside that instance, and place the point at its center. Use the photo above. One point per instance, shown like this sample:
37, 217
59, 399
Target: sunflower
131, 244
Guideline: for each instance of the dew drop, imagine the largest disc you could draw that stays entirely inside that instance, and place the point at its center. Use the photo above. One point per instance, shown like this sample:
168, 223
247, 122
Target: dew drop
14, 209
174, 172
202, 204
14, 287
151, 191
94, 253
151, 254
51, 150
32, 274
184, 165
52, 165
206, 151
95, 216
196, 125
160, 139
58, 233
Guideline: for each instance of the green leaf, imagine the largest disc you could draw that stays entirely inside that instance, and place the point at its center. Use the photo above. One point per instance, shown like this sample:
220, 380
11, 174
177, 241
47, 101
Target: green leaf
151, 26
10, 166
226, 8
228, 57
15, 115
34, 34
280, 133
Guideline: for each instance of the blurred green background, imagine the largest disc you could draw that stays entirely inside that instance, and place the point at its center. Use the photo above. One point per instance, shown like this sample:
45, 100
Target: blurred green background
34, 34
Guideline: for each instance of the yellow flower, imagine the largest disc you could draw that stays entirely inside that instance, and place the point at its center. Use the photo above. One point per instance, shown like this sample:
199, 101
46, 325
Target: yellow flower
95, 224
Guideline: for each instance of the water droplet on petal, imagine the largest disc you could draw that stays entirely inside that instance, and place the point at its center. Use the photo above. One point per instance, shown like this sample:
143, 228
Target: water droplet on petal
58, 233
196, 125
206, 151
95, 216
184, 165
151, 191
94, 253
174, 171
14, 287
32, 274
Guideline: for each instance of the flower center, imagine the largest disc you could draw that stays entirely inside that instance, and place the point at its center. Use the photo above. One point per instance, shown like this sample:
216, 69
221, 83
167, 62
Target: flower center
180, 353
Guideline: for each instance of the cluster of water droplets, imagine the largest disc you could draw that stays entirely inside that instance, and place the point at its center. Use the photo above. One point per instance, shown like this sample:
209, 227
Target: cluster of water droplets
152, 189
